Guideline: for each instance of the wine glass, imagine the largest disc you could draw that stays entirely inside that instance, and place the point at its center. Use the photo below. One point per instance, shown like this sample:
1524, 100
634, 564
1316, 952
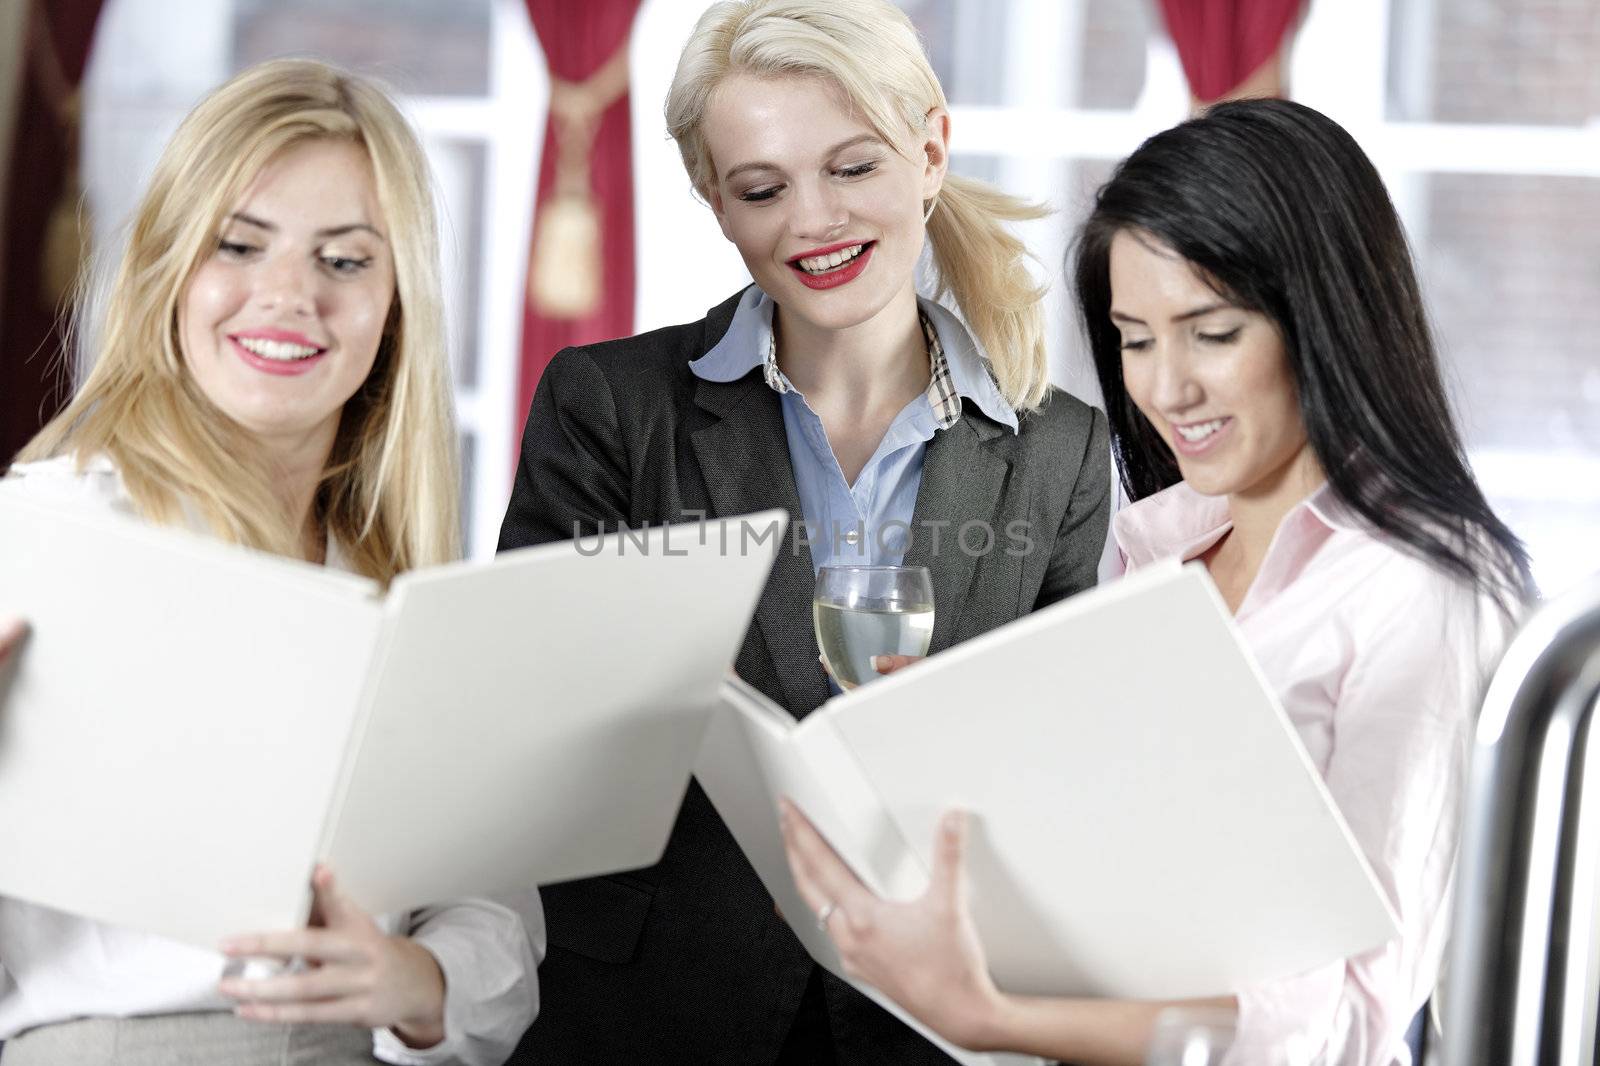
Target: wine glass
1190, 1036
863, 611
1201, 1036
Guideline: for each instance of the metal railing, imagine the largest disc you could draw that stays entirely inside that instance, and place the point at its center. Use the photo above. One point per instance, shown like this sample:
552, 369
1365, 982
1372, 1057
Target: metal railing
1523, 981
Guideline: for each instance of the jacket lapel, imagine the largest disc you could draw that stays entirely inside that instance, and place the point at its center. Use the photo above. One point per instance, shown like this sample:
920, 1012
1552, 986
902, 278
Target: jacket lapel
963, 479
744, 456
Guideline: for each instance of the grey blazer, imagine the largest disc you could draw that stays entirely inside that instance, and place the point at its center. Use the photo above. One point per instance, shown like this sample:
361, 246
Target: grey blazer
686, 962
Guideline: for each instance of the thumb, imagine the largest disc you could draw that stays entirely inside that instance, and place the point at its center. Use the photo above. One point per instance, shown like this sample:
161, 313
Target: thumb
11, 631
329, 902
949, 854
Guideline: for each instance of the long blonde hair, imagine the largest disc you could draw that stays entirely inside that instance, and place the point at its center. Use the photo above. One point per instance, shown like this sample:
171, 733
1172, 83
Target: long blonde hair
389, 491
870, 50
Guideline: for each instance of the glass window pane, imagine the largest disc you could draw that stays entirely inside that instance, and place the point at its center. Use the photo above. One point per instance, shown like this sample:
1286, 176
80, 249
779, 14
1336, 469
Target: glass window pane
978, 167
1072, 367
1522, 62
966, 43
459, 168
469, 477
1115, 41
1508, 266
421, 47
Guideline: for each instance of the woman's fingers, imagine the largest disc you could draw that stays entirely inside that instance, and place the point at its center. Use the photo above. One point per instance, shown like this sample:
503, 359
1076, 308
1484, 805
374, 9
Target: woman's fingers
800, 864
888, 664
12, 630
822, 877
347, 1011
359, 975
328, 982
318, 945
332, 907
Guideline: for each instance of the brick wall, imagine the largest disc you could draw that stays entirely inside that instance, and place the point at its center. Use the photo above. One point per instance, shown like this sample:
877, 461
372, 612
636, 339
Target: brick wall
1115, 36
417, 46
1530, 62
1511, 268
1511, 263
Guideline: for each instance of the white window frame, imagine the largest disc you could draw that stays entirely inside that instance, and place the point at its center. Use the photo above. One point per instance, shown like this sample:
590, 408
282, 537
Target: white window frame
1339, 66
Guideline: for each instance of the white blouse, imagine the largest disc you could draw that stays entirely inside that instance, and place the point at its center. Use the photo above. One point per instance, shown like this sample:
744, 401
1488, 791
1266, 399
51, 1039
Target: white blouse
1379, 659
55, 966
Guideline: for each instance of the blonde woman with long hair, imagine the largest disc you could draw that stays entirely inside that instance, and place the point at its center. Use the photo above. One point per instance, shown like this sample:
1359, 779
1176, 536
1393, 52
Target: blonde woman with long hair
893, 428
271, 369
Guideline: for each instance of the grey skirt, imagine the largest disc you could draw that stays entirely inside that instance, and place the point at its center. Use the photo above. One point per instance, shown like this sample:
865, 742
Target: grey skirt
209, 1038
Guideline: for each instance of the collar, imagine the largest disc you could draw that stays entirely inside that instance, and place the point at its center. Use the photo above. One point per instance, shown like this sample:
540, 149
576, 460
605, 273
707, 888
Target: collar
1179, 522
115, 492
958, 367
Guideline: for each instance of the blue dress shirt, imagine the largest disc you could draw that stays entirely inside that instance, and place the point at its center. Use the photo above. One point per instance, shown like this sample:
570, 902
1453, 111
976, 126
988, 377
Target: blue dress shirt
864, 523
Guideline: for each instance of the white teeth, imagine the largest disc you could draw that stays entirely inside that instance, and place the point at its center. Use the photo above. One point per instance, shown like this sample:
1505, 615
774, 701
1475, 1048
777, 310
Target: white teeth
1200, 431
279, 350
821, 264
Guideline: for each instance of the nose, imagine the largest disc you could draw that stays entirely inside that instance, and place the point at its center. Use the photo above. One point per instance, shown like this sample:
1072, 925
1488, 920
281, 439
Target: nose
818, 213
1173, 387
287, 284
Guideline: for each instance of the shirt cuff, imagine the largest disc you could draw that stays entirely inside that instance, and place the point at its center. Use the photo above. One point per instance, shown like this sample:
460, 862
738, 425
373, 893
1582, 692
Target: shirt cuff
1297, 1010
387, 1047
489, 996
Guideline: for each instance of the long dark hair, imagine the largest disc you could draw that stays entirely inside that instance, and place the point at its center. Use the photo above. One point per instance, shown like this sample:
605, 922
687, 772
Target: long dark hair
1282, 213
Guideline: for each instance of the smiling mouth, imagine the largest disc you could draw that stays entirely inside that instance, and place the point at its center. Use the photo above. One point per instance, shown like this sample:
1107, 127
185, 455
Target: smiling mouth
1196, 432
278, 351
820, 265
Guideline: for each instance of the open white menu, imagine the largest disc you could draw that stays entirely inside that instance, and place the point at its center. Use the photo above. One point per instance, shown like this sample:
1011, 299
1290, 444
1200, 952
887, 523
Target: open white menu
191, 726
1144, 821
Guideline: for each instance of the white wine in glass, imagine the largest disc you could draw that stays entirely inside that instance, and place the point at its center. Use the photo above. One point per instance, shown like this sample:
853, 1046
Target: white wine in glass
863, 611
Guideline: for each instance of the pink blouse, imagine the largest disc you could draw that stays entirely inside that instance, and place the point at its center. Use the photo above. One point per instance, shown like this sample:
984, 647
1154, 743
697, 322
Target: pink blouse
1379, 659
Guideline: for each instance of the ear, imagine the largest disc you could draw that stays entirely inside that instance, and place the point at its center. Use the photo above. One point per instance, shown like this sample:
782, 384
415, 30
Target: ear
936, 149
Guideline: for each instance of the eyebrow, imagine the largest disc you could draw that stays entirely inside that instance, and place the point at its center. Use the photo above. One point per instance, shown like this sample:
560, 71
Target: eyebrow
1118, 316
860, 138
331, 231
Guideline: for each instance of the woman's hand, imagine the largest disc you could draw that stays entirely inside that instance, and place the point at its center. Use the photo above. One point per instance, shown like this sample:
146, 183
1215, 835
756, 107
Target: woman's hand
883, 664
924, 955
358, 974
12, 630
888, 664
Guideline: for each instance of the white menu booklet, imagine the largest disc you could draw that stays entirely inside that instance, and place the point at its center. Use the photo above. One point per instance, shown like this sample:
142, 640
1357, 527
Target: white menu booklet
1144, 821
191, 726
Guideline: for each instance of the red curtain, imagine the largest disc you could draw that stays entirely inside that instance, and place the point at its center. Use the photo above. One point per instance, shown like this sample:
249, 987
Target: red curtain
578, 41
1223, 42
41, 161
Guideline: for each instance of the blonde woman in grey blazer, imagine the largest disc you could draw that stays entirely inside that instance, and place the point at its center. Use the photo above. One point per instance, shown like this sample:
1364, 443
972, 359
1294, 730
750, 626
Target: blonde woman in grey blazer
890, 430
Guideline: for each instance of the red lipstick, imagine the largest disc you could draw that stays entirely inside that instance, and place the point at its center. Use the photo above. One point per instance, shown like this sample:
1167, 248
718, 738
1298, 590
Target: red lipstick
843, 274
